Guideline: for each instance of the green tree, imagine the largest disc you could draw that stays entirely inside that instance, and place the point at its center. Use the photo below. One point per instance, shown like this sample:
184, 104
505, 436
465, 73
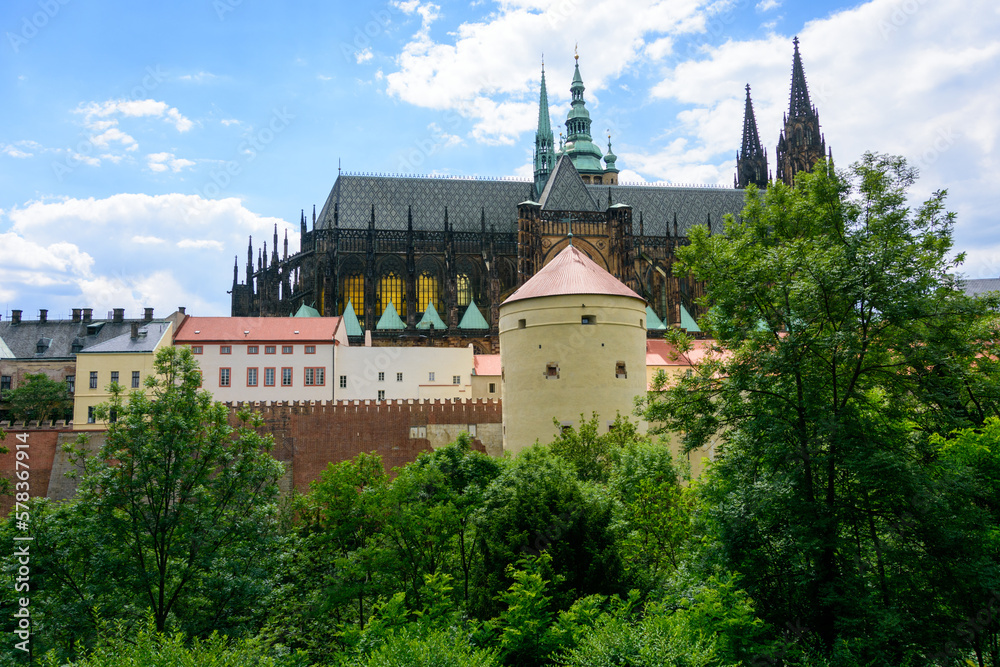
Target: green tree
185, 502
39, 397
845, 344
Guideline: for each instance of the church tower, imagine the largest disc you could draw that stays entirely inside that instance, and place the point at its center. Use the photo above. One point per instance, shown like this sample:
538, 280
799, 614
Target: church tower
801, 145
751, 161
545, 150
579, 145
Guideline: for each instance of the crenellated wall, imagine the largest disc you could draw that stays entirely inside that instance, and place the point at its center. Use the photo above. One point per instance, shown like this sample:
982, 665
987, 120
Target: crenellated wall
308, 435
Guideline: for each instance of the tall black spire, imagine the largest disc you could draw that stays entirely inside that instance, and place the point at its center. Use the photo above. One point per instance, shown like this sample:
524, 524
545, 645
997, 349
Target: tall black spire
751, 161
801, 144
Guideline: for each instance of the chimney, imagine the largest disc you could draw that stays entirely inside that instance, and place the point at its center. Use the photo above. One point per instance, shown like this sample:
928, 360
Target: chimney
118, 315
15, 317
181, 310
76, 314
88, 315
147, 315
135, 330
43, 315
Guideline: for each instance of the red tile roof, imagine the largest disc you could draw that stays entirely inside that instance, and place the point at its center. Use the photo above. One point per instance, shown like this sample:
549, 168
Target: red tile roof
571, 272
487, 364
317, 329
662, 353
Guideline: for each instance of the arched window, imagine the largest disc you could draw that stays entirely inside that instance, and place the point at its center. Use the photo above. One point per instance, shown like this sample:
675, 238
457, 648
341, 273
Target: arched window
464, 291
354, 291
428, 291
391, 288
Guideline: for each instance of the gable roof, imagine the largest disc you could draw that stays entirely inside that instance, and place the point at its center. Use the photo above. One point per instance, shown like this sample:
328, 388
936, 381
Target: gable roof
981, 286
149, 337
314, 329
571, 272
565, 190
467, 200
63, 338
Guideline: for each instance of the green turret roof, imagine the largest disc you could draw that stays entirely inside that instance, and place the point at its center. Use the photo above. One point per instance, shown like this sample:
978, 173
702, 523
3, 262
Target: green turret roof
306, 311
351, 323
653, 323
473, 319
390, 319
688, 322
431, 317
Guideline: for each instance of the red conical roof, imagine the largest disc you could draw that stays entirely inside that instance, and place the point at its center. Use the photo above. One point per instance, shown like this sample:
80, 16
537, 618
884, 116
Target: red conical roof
571, 272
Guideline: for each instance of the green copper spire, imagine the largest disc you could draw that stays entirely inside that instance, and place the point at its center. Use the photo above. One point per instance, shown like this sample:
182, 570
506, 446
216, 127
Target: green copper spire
579, 146
610, 157
431, 318
653, 323
545, 158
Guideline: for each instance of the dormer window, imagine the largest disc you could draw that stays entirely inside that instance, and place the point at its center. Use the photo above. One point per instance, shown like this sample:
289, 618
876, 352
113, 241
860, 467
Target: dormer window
42, 345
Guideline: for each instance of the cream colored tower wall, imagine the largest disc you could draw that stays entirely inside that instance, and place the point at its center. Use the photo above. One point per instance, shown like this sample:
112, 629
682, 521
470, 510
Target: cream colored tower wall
536, 333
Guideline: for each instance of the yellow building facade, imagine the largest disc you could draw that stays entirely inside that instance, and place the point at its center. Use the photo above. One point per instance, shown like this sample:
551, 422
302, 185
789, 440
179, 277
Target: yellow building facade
572, 342
127, 360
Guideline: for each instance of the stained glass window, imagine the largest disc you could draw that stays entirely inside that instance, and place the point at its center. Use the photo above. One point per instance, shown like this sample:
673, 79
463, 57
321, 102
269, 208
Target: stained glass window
427, 292
464, 290
354, 291
391, 288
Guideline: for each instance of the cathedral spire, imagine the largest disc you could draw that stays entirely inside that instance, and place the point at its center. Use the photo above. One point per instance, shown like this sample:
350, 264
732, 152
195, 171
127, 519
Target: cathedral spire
545, 158
751, 161
800, 144
579, 145
798, 103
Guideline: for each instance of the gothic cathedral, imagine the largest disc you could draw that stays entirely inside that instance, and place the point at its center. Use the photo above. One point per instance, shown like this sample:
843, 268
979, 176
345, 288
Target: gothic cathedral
427, 261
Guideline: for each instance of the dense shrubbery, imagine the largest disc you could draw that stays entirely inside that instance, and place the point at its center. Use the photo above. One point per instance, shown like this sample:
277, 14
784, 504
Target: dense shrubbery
851, 517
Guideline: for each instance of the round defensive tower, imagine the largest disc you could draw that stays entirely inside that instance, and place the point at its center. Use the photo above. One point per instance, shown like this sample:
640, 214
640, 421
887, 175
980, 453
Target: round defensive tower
572, 342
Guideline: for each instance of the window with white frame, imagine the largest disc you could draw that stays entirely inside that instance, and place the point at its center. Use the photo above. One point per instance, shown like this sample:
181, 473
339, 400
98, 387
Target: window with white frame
268, 377
251, 377
286, 377
224, 376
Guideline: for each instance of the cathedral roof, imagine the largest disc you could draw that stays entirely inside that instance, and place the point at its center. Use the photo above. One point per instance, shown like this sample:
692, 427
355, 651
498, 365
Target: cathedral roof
571, 272
468, 199
565, 190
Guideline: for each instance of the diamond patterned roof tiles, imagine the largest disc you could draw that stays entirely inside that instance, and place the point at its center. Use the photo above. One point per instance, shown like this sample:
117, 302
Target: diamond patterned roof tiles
571, 272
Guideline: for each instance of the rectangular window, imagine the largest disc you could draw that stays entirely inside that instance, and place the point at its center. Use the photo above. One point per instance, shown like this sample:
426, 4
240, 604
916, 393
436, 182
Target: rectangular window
310, 377
456, 379
251, 349
112, 415
381, 394
114, 377
286, 349
343, 382
381, 377
588, 319
286, 377
90, 415
71, 383
310, 349
268, 377
493, 387
93, 379
552, 371
430, 376
223, 377
5, 382
620, 370
135, 379
269, 349
399, 377
225, 349
196, 349
251, 377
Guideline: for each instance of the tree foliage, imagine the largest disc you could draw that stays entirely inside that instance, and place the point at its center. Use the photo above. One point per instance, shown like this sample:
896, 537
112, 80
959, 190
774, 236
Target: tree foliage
39, 398
845, 344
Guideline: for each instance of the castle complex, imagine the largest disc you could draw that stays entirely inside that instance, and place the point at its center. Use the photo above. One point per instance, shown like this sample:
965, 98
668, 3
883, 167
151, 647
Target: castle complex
429, 260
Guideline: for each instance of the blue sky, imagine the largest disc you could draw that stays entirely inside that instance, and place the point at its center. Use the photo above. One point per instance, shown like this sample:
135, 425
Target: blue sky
141, 143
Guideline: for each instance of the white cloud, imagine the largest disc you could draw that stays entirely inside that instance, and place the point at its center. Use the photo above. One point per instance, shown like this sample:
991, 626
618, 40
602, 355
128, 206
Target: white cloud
12, 151
462, 75
199, 77
160, 162
362, 56
107, 247
767, 5
114, 134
